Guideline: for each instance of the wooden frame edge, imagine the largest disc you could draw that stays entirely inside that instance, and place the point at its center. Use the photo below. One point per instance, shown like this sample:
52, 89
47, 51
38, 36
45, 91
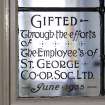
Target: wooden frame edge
4, 52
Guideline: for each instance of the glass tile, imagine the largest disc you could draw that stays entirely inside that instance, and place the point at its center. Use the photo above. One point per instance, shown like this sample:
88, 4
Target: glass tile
59, 54
58, 3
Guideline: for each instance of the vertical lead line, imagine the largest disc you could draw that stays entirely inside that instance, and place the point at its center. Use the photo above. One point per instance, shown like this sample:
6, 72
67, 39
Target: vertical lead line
101, 10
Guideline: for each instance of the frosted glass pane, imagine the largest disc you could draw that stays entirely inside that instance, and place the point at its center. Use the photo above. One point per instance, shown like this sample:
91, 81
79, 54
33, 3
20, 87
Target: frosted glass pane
59, 54
58, 3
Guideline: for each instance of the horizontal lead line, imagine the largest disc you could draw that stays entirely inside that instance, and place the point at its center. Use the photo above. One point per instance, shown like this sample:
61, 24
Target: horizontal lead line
58, 9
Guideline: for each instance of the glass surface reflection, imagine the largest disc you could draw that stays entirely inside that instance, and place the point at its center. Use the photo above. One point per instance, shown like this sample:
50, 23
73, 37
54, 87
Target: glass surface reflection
58, 3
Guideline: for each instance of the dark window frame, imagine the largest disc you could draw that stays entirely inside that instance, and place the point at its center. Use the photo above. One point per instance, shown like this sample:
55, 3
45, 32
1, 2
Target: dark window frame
100, 10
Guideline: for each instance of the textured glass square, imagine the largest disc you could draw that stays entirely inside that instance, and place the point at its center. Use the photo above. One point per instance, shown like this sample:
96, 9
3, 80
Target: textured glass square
59, 54
58, 3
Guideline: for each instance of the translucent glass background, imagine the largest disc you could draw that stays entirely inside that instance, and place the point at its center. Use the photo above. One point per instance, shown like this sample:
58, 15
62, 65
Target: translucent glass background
58, 3
93, 23
104, 2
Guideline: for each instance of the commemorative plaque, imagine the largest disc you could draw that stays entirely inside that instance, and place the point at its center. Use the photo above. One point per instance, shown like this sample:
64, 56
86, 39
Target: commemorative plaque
59, 51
